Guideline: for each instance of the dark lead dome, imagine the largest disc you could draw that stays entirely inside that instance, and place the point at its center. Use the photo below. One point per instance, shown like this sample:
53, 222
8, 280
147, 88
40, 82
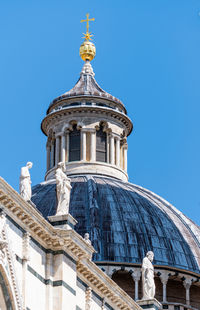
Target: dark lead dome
125, 221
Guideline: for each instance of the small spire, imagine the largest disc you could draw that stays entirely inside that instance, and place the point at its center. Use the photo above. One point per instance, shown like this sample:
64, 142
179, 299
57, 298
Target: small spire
87, 49
87, 68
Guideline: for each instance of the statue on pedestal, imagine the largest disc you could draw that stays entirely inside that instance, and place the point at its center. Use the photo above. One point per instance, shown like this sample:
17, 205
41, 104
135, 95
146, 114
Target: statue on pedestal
63, 189
148, 283
25, 182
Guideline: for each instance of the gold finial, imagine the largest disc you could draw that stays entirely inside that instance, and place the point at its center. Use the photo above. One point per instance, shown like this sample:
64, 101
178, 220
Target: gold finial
87, 48
88, 34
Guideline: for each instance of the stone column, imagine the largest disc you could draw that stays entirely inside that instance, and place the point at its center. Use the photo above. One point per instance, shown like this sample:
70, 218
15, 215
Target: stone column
25, 259
93, 145
48, 155
187, 283
52, 153
117, 151
67, 146
125, 157
164, 278
57, 158
136, 277
62, 157
83, 145
112, 150
108, 147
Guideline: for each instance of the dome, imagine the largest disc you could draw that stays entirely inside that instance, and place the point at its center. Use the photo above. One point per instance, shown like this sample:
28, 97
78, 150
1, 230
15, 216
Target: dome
87, 87
125, 221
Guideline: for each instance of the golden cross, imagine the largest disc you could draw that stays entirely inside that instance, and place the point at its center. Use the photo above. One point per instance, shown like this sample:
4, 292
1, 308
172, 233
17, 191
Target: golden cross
87, 20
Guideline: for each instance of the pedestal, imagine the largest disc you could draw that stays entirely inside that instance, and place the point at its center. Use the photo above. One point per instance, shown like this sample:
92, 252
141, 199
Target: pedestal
150, 304
65, 221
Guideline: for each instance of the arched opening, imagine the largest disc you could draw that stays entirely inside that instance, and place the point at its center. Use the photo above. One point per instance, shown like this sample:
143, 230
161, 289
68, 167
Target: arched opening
195, 296
5, 298
101, 144
159, 289
173, 287
125, 281
74, 144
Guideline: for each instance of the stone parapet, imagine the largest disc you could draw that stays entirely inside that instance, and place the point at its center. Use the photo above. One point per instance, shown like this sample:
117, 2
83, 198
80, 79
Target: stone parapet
150, 304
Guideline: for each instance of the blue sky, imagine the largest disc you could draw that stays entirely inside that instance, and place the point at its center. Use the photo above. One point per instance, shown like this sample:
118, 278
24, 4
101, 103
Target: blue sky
148, 55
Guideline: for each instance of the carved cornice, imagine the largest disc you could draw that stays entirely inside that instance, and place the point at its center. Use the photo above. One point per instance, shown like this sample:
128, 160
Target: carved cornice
58, 115
25, 215
107, 288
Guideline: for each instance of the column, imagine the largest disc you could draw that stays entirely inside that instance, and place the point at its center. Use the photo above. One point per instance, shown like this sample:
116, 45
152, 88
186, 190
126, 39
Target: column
93, 145
83, 145
48, 155
117, 151
164, 278
136, 277
187, 283
112, 150
67, 146
57, 150
125, 157
52, 153
62, 157
108, 148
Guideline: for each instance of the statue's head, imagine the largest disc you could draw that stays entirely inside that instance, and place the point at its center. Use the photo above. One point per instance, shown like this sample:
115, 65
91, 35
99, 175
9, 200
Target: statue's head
29, 165
86, 236
61, 165
150, 255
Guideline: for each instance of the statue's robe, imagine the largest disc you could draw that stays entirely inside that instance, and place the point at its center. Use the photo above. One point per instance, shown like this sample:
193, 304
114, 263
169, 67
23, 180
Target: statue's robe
148, 283
25, 184
63, 189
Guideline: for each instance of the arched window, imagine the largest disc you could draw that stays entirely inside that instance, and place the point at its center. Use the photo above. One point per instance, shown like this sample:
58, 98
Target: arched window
125, 281
74, 144
101, 145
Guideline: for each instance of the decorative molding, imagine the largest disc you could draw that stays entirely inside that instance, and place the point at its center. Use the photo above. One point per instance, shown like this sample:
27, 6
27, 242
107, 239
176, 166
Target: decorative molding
94, 277
26, 246
8, 265
113, 114
88, 298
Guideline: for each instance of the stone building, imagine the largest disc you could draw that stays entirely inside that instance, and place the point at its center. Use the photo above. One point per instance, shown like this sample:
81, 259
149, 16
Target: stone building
46, 264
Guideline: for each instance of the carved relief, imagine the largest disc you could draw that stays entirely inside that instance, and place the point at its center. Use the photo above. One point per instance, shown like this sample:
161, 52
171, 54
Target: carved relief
88, 298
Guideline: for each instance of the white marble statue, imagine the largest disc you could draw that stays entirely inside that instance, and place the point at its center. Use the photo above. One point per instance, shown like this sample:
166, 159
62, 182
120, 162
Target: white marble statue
63, 189
87, 238
25, 182
148, 283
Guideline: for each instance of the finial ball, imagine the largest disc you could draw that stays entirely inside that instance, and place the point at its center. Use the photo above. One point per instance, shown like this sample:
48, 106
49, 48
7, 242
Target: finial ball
87, 50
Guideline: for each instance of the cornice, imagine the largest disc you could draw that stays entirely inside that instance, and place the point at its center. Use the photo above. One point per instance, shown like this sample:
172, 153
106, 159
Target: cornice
29, 219
62, 99
107, 288
55, 116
